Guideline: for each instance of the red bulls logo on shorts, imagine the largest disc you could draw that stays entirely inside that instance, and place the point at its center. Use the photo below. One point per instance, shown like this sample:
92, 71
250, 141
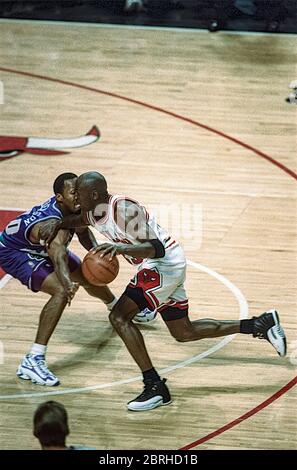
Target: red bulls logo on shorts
11, 146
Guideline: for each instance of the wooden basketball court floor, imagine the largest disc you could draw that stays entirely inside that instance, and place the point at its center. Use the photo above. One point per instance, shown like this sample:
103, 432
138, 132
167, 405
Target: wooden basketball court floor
210, 134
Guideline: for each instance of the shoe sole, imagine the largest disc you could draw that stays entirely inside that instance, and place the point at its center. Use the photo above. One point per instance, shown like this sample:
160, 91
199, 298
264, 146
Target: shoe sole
275, 317
38, 383
150, 407
277, 323
45, 385
147, 322
23, 376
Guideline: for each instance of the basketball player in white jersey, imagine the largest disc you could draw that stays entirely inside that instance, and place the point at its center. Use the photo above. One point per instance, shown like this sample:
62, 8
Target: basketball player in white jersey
158, 284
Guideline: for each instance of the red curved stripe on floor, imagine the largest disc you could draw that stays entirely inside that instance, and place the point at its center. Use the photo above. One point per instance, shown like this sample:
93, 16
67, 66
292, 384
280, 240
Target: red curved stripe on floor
161, 110
243, 417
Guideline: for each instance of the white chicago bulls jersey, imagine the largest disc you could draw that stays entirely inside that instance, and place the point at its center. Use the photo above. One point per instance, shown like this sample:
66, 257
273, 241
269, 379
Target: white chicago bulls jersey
109, 227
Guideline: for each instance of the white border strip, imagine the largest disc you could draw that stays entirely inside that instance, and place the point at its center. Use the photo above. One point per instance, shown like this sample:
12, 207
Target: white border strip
5, 279
243, 313
12, 209
141, 27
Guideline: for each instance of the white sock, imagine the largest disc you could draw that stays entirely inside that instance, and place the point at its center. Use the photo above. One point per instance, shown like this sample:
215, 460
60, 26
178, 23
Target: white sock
38, 349
111, 304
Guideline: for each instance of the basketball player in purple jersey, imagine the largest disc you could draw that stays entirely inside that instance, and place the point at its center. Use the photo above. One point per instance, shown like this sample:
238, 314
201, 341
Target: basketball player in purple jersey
158, 284
55, 271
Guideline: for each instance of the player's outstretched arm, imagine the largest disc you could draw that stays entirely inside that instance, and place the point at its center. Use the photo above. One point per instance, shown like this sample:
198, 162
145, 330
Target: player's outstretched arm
49, 229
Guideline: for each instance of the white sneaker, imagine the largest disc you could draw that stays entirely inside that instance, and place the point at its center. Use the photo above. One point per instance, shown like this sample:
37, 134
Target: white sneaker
145, 316
268, 326
34, 368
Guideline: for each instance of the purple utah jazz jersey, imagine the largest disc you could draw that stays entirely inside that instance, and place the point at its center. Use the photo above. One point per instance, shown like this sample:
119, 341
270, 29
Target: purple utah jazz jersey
16, 233
26, 261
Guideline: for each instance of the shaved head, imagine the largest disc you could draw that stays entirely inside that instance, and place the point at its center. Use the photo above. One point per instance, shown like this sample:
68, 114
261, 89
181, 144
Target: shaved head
92, 180
91, 190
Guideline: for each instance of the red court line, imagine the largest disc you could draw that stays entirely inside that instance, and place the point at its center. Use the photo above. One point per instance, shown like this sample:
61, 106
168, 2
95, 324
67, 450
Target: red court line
243, 417
161, 110
226, 136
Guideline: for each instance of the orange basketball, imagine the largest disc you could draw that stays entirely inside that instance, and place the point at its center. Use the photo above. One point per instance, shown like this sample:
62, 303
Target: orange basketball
100, 271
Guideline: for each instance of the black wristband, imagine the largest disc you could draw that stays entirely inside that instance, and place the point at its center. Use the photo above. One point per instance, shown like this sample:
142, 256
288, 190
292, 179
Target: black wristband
159, 248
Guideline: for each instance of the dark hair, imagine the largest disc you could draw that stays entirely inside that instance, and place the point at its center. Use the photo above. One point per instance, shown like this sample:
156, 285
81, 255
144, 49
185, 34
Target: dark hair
51, 424
60, 180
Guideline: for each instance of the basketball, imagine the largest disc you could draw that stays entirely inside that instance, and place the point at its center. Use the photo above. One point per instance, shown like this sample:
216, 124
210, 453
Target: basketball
99, 271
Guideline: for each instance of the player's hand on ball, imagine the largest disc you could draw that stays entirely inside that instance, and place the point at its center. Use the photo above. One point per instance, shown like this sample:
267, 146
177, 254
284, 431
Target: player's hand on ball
105, 249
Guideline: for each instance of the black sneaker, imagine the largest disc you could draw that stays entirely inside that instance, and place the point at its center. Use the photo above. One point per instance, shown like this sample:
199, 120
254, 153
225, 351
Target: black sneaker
154, 394
267, 326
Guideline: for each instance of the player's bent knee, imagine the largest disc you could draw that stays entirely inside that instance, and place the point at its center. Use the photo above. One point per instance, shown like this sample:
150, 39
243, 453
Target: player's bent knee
61, 295
183, 336
59, 291
119, 318
116, 319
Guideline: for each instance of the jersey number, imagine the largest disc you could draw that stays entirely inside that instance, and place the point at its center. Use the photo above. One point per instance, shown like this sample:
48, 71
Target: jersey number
13, 227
